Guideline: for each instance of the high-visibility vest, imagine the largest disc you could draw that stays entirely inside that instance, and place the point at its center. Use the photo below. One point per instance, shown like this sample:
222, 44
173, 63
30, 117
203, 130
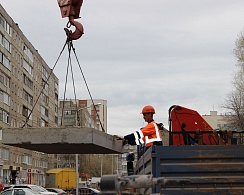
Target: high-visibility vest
148, 134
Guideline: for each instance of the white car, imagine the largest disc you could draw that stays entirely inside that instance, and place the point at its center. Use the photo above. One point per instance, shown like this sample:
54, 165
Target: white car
19, 191
35, 188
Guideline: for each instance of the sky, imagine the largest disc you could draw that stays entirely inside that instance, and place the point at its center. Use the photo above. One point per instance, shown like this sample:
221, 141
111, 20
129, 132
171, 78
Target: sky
140, 52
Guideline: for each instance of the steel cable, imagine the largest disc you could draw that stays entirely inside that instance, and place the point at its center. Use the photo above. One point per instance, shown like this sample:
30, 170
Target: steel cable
28, 117
87, 87
70, 46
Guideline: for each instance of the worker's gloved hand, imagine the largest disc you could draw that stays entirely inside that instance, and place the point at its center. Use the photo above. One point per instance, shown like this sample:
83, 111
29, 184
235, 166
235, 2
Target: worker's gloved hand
118, 137
125, 142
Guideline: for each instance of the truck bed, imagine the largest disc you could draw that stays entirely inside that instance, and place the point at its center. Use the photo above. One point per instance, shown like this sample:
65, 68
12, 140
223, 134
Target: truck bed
209, 169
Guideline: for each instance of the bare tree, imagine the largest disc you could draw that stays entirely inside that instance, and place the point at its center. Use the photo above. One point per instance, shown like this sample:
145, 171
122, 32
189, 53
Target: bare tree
235, 99
93, 163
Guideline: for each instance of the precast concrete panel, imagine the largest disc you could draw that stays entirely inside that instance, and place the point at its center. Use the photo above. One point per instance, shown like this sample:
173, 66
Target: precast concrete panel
63, 140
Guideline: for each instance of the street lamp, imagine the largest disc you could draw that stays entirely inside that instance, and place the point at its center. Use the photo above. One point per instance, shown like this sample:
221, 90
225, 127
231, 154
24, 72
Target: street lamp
76, 155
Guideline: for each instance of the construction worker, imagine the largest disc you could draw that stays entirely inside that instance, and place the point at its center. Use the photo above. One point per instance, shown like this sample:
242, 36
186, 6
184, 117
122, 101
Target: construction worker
149, 135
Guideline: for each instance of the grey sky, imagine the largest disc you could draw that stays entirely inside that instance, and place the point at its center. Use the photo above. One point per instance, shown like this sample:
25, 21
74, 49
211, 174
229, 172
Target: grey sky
141, 52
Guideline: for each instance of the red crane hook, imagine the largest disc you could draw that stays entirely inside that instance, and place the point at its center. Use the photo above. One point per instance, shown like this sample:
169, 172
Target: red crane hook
71, 9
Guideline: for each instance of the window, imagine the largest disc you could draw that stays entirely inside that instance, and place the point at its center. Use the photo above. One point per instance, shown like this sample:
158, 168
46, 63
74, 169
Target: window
56, 97
28, 82
44, 72
44, 84
4, 60
2, 21
44, 111
19, 192
26, 112
56, 108
5, 43
24, 159
8, 29
5, 25
4, 116
44, 123
5, 98
5, 153
28, 68
43, 164
9, 192
17, 159
27, 160
27, 97
56, 87
44, 98
28, 52
4, 79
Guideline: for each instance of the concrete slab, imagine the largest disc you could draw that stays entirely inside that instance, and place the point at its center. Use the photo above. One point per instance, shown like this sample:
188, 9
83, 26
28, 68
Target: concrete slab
71, 140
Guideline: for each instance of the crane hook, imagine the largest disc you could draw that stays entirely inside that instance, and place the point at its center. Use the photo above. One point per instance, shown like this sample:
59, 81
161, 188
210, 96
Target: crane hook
79, 30
71, 9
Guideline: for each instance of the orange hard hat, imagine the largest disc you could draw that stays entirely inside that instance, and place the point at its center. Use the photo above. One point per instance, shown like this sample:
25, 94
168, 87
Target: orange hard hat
147, 109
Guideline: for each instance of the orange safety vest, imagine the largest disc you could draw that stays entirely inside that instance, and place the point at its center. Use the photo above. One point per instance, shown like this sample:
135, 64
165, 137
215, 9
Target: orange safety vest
148, 135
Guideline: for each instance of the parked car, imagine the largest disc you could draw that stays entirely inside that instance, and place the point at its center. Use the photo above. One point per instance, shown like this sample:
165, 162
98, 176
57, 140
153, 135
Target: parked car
34, 188
85, 191
57, 190
7, 186
19, 191
1, 187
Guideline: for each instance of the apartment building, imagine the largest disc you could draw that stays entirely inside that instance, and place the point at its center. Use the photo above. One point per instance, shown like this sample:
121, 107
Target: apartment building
98, 112
218, 121
81, 113
27, 99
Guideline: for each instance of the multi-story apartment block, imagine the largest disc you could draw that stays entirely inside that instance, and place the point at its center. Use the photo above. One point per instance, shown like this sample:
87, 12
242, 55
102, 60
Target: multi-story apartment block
98, 113
28, 98
83, 113
80, 113
216, 121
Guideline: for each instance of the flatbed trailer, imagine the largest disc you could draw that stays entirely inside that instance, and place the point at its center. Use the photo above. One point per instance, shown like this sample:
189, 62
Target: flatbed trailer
210, 169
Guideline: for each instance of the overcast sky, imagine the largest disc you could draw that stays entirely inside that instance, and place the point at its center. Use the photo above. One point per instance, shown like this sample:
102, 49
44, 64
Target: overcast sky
141, 52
